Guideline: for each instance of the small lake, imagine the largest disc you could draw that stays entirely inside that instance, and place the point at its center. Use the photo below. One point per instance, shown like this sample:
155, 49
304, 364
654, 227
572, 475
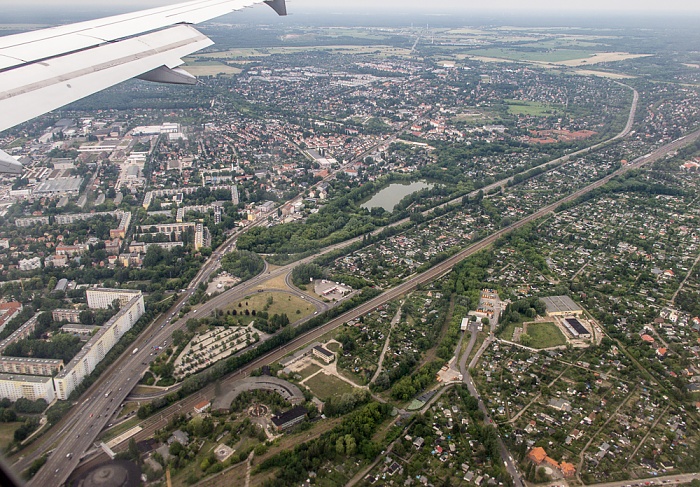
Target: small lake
390, 196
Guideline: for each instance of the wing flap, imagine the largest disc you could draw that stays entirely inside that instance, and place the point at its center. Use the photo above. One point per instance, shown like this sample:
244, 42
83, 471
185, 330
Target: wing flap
65, 79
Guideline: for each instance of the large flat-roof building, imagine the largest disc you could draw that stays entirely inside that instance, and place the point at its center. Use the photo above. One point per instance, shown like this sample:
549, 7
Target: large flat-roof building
575, 328
30, 387
23, 331
561, 306
30, 365
32, 221
60, 186
323, 354
64, 314
103, 297
101, 343
290, 418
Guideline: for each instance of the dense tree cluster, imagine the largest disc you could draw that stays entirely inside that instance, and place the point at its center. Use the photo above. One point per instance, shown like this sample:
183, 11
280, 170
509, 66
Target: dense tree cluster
409, 386
270, 324
61, 346
353, 437
242, 264
303, 273
522, 309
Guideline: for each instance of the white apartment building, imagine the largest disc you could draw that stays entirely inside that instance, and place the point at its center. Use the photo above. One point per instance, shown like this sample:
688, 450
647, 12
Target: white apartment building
103, 298
102, 342
27, 386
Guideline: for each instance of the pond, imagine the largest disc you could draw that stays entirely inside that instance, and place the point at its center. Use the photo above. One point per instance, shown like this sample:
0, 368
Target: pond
390, 196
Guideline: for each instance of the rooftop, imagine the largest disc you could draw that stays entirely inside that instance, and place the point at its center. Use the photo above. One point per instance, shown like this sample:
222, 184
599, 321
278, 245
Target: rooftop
561, 304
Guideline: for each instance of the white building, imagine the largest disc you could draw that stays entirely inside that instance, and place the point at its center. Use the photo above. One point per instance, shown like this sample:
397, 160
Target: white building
102, 342
103, 298
30, 264
30, 387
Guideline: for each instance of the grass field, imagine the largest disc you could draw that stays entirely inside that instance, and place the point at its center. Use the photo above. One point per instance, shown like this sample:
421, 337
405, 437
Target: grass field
533, 108
308, 371
210, 68
549, 56
282, 303
545, 335
7, 433
507, 333
324, 386
235, 54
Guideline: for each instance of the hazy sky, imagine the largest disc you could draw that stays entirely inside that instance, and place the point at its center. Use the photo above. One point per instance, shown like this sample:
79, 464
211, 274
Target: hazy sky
429, 6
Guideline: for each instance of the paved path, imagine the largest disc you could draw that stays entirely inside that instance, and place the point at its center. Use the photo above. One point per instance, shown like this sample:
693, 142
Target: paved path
394, 321
673, 299
593, 436
647, 435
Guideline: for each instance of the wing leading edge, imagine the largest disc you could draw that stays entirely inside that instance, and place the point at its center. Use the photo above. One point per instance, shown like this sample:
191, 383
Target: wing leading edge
44, 70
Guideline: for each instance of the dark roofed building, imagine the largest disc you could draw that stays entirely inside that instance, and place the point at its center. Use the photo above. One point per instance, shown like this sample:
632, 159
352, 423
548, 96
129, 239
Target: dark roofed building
323, 353
290, 418
576, 329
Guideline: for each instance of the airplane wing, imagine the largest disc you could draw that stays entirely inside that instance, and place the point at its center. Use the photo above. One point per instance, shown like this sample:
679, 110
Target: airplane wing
47, 69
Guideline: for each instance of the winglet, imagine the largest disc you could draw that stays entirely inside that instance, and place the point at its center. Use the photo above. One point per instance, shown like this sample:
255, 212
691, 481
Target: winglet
278, 6
164, 74
9, 165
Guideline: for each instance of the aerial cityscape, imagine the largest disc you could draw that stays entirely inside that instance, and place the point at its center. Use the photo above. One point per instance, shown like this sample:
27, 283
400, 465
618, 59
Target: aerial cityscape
356, 250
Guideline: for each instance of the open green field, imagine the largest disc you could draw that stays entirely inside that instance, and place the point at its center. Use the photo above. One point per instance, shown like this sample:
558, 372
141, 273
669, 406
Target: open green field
507, 333
549, 56
566, 42
236, 54
209, 68
545, 335
324, 386
7, 433
282, 303
473, 118
533, 108
309, 371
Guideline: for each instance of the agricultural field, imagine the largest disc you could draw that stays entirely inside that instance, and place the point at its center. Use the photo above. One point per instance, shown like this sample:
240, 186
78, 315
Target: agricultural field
243, 53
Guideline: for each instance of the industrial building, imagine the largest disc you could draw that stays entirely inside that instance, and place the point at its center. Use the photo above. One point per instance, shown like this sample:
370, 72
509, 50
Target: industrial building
561, 306
575, 328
